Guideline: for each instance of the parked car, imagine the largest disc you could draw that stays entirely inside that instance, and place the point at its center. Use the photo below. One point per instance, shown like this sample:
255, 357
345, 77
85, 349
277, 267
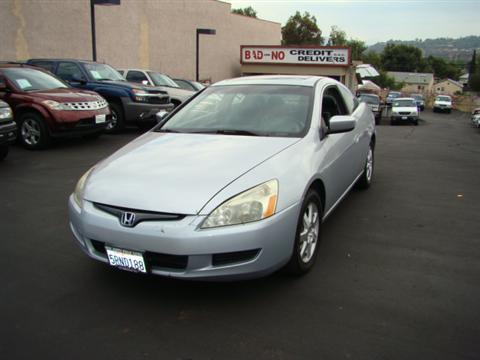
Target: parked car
233, 191
8, 128
130, 103
392, 95
476, 117
161, 81
404, 110
45, 107
420, 101
189, 85
373, 102
442, 103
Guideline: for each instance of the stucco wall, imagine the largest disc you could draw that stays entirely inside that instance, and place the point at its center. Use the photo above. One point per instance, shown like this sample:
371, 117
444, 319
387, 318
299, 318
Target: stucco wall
155, 34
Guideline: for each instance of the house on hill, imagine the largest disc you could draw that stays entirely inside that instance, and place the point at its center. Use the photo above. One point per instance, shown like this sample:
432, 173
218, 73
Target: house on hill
448, 87
413, 82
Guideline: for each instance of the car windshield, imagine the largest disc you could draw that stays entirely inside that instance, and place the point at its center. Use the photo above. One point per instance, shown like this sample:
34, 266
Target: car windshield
443, 98
404, 103
256, 110
162, 80
369, 99
102, 72
27, 79
394, 94
198, 85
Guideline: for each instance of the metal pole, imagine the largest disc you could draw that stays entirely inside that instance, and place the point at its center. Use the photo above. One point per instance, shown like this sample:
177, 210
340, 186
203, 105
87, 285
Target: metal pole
92, 21
197, 56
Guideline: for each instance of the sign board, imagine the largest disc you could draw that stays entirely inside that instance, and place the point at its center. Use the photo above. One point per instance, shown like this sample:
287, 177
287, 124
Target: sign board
319, 55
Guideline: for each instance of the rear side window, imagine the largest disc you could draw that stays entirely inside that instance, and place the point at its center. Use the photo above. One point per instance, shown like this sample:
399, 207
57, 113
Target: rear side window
47, 65
69, 71
349, 99
136, 76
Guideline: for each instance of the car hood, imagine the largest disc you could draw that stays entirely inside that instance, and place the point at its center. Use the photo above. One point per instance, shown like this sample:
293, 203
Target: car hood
177, 173
130, 85
181, 94
64, 95
405, 108
443, 102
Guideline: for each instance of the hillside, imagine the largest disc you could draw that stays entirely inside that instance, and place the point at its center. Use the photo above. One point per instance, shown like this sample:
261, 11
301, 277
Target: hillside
452, 49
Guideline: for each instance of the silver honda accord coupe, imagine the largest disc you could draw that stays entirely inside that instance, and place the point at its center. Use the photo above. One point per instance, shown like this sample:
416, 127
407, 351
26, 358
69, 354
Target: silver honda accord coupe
234, 183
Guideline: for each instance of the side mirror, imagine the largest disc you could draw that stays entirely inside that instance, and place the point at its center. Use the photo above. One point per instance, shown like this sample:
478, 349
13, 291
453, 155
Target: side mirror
341, 123
3, 86
78, 78
161, 115
145, 82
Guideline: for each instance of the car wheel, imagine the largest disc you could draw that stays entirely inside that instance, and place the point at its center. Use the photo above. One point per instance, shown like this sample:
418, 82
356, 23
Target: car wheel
365, 180
449, 111
117, 122
415, 122
434, 110
33, 131
307, 236
392, 122
3, 152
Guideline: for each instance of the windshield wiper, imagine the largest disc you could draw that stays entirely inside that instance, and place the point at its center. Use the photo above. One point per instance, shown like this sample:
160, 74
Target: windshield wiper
225, 132
168, 131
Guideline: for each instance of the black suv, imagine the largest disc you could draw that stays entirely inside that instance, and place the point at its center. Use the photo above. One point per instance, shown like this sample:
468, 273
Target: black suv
8, 129
129, 102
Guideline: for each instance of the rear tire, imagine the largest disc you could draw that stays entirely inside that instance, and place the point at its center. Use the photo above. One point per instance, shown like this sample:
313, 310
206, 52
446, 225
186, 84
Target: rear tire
307, 238
117, 122
365, 180
3, 152
33, 132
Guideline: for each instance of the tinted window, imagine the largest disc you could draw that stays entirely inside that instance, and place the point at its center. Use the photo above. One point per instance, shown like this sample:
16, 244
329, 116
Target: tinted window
136, 76
264, 110
404, 103
69, 71
47, 65
102, 72
185, 85
348, 98
162, 79
26, 79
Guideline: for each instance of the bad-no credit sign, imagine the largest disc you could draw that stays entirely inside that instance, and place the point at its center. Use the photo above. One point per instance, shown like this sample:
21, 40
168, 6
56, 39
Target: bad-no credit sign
293, 55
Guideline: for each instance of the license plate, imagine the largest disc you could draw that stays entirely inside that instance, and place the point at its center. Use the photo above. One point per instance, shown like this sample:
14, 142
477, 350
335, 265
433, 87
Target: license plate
100, 119
126, 259
404, 118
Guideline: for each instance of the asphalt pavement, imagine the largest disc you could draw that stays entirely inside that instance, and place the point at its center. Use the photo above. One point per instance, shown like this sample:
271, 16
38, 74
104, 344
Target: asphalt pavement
397, 277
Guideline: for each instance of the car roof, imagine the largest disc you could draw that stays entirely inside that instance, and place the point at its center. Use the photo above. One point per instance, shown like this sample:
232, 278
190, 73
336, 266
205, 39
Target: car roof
13, 65
297, 80
405, 98
65, 59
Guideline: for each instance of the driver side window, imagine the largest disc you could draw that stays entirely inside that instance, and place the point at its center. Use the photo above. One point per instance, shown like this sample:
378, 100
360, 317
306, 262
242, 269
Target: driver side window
332, 105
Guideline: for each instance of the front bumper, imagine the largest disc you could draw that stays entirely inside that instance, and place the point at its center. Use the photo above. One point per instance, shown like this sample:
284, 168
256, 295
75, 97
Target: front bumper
8, 133
144, 112
270, 241
404, 118
74, 123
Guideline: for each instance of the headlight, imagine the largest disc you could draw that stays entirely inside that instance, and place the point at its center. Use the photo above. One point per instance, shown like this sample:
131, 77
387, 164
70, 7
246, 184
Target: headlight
140, 95
53, 105
5, 113
255, 204
79, 189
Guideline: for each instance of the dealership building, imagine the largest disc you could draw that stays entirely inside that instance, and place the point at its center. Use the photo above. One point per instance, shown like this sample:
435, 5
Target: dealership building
162, 36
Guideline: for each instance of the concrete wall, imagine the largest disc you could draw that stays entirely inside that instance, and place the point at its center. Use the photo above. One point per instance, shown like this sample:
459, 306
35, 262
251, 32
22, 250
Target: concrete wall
155, 34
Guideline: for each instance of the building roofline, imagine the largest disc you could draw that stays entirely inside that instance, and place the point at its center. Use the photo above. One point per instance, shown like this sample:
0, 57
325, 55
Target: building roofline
256, 18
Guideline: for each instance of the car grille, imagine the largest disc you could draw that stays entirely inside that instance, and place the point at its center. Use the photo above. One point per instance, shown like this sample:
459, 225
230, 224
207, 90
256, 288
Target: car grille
90, 105
140, 215
234, 257
404, 112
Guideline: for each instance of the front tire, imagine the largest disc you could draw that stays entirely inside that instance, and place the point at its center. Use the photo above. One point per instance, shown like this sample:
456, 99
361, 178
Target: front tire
365, 180
3, 152
33, 132
117, 122
307, 237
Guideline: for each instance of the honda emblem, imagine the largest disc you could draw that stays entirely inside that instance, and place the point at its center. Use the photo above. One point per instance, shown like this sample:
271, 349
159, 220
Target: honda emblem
127, 219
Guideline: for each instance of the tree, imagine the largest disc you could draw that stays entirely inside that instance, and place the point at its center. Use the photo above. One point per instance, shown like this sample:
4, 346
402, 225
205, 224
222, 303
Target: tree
337, 37
443, 69
357, 47
373, 58
302, 30
248, 11
473, 74
399, 57
385, 81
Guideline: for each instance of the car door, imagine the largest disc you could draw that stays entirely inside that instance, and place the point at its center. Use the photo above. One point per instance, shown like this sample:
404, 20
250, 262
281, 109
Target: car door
339, 163
71, 73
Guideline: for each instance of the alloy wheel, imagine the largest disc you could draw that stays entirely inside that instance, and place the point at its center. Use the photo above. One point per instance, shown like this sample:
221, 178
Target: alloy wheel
309, 233
31, 132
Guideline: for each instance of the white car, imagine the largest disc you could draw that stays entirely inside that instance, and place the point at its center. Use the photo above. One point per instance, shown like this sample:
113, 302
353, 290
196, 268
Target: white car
476, 117
154, 78
442, 103
404, 110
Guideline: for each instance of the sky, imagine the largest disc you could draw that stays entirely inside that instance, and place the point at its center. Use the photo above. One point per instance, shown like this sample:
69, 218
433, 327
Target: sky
378, 20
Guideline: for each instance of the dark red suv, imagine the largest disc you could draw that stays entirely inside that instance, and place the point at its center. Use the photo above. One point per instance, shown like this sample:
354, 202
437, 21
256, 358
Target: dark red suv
45, 107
